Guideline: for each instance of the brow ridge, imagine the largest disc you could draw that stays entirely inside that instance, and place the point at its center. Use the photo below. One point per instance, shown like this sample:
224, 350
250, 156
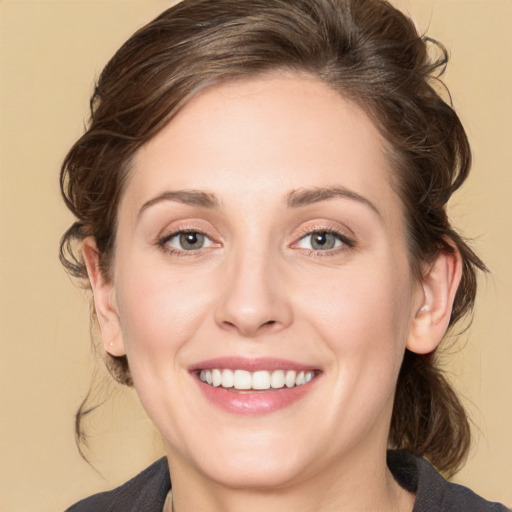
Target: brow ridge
304, 197
189, 197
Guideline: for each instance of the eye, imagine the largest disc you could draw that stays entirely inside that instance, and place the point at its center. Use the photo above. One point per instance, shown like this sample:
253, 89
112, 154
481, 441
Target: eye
322, 241
187, 241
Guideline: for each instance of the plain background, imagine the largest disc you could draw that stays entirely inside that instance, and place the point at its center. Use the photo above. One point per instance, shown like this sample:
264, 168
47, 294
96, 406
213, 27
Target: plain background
51, 51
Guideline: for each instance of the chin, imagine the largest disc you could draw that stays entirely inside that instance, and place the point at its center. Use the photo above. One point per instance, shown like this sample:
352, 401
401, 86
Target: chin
256, 473
250, 460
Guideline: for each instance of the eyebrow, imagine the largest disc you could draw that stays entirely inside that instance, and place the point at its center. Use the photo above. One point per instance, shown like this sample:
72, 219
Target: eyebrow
305, 197
295, 199
189, 197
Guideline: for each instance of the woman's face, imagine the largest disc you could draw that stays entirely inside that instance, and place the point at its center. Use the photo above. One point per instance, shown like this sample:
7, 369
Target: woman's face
260, 243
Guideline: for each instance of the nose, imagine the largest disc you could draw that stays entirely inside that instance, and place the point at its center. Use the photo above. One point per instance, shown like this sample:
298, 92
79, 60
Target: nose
255, 299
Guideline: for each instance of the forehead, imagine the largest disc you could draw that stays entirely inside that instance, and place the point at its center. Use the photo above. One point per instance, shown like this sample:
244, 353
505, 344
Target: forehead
263, 137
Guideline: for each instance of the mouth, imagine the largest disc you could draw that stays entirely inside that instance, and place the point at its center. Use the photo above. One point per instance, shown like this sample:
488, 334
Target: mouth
261, 380
254, 386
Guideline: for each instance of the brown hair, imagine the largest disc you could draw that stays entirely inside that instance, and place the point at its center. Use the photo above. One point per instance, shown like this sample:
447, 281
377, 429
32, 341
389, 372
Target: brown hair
366, 50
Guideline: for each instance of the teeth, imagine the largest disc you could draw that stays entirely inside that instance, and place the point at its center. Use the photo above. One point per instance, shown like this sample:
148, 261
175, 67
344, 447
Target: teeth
242, 380
259, 380
228, 379
290, 378
277, 379
216, 378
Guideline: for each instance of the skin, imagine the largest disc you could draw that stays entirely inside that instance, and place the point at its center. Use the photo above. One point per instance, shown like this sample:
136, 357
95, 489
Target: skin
258, 289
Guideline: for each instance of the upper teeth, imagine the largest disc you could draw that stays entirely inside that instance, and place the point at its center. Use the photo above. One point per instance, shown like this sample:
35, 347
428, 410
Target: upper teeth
262, 379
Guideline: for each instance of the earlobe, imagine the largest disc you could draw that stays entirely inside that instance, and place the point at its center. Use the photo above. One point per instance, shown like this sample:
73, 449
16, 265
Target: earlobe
438, 287
104, 300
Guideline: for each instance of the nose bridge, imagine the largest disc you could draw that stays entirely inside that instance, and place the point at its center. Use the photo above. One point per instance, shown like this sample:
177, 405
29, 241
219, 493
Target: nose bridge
254, 299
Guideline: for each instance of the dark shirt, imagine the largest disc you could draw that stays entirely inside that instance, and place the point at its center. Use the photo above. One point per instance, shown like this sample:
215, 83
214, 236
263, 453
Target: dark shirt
148, 490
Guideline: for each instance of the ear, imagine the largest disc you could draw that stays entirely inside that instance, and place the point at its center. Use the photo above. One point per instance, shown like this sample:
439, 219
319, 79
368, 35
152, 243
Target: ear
104, 300
438, 286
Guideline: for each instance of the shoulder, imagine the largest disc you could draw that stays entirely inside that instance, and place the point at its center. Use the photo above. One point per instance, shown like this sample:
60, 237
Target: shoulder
146, 492
433, 492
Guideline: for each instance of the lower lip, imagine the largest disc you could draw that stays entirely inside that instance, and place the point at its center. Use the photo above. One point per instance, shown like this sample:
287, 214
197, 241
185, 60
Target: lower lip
254, 403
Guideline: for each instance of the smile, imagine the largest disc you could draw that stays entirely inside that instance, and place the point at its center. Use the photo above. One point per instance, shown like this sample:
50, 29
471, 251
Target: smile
257, 380
254, 385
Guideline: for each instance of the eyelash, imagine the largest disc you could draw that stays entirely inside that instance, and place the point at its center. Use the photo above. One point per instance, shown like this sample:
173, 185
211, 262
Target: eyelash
164, 241
347, 243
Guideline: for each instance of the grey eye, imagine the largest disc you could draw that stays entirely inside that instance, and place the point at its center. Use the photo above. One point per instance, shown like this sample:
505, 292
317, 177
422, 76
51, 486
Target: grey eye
320, 241
189, 241
323, 241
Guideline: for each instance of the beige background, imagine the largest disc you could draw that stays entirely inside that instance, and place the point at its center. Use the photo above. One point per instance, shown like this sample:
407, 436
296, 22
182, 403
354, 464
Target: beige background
50, 53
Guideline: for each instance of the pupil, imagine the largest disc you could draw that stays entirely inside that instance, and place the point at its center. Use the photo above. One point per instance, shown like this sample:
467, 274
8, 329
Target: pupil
321, 238
191, 240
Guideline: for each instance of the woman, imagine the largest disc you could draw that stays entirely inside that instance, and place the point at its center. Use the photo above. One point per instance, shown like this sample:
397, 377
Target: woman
261, 202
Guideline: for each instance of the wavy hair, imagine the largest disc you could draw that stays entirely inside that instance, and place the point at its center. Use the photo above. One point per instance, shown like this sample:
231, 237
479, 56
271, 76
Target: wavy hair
366, 50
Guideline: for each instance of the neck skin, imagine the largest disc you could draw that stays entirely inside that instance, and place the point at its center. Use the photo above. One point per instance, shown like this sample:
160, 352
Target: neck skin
360, 483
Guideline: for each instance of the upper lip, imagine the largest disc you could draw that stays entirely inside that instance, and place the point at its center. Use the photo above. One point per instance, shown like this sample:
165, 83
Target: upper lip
250, 364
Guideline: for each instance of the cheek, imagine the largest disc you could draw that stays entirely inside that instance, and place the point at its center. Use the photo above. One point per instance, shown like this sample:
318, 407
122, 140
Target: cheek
160, 309
363, 314
361, 301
